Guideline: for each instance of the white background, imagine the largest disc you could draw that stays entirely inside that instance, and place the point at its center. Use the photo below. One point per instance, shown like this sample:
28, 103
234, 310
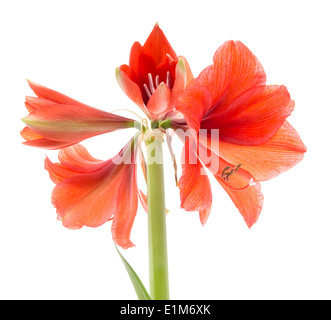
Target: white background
74, 47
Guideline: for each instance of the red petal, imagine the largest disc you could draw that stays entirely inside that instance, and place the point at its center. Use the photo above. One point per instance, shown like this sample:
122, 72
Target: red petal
126, 210
193, 104
87, 199
48, 144
92, 198
57, 172
188, 71
183, 76
53, 95
130, 88
248, 201
28, 134
36, 140
269, 159
204, 215
254, 120
235, 70
159, 102
32, 103
194, 185
73, 161
135, 53
77, 158
158, 46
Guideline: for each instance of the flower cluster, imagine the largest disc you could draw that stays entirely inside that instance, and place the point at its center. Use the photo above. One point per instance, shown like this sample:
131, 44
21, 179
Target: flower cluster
230, 121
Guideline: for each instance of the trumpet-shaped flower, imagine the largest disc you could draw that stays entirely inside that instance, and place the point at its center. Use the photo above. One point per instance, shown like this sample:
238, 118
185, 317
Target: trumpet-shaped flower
56, 121
155, 76
90, 192
255, 142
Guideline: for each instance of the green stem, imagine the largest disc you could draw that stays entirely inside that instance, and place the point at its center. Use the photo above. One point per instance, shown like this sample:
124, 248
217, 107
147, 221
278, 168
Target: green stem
157, 237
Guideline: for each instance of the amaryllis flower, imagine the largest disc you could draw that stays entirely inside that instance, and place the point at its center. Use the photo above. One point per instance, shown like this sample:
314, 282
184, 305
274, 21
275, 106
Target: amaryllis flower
90, 192
155, 76
255, 142
56, 121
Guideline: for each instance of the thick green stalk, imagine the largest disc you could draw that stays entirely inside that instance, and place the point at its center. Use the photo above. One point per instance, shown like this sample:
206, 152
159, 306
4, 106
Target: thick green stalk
157, 237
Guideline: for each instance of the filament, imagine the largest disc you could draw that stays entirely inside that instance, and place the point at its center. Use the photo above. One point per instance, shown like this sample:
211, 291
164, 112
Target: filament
139, 117
151, 84
168, 79
147, 91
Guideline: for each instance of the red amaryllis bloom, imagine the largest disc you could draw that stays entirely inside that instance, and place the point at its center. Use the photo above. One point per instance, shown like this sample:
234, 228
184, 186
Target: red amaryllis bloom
90, 192
56, 121
155, 75
255, 142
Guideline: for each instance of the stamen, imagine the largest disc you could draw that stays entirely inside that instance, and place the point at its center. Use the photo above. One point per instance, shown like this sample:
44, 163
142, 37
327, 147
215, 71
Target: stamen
151, 84
150, 88
168, 79
147, 90
226, 174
